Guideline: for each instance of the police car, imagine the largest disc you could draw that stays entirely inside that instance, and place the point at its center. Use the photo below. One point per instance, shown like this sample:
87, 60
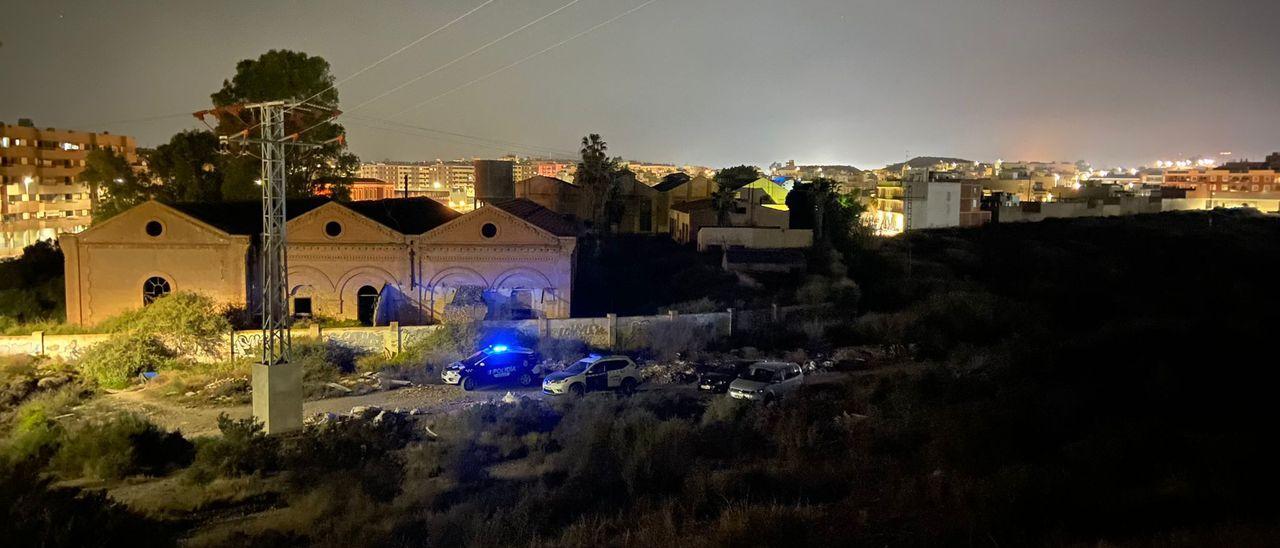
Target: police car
493, 365
594, 373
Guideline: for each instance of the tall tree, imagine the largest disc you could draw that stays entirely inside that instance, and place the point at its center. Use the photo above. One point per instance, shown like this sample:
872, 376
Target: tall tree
113, 185
283, 75
600, 176
187, 167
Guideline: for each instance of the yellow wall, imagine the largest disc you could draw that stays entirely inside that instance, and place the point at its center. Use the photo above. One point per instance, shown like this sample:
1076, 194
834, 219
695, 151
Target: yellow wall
107, 264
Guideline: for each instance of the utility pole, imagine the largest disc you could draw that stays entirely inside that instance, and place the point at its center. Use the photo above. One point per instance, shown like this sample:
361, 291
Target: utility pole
406, 185
277, 383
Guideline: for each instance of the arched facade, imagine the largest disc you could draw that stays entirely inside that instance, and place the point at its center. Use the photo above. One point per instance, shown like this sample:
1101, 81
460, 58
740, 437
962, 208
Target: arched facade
334, 250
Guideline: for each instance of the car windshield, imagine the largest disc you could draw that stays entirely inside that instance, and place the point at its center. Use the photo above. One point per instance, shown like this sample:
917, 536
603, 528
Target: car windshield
579, 367
474, 358
759, 375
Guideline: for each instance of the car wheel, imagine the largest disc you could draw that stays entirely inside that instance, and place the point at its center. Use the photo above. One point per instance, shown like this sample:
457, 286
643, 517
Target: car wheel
577, 390
526, 379
469, 383
628, 386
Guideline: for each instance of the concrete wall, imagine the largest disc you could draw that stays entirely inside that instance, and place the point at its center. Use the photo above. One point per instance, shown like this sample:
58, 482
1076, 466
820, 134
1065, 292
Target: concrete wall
753, 237
1039, 211
608, 332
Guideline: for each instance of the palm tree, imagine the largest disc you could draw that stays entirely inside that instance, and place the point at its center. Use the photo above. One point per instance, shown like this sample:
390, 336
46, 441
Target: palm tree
723, 200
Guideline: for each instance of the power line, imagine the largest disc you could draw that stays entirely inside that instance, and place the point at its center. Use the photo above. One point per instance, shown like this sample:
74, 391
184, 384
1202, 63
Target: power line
466, 55
138, 120
392, 54
527, 58
509, 144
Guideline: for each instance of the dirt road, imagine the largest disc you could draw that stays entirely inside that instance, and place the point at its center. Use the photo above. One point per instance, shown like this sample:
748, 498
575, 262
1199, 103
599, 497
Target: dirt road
203, 420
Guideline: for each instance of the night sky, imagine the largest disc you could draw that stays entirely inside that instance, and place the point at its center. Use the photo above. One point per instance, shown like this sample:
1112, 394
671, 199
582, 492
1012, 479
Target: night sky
714, 82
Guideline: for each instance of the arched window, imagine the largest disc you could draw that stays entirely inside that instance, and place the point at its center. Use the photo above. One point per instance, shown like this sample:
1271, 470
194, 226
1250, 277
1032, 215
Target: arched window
154, 288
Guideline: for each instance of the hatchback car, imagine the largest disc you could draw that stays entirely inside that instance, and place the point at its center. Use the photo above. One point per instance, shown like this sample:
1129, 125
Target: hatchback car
496, 364
767, 381
594, 373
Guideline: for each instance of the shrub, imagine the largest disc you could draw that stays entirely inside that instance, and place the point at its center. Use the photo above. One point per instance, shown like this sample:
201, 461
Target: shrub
186, 323
114, 363
323, 361
120, 446
242, 449
34, 513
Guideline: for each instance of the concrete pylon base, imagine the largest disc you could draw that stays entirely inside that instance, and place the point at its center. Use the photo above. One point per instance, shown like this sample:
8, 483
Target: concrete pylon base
277, 397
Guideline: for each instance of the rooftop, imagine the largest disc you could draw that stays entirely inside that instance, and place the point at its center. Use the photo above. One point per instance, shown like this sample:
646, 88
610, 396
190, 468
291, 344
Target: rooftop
410, 216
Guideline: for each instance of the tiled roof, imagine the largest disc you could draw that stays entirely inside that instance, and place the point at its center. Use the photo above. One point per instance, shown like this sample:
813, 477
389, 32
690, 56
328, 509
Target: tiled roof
672, 181
538, 216
405, 215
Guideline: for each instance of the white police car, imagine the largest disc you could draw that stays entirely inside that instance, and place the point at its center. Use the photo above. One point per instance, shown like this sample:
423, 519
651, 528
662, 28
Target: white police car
594, 373
493, 365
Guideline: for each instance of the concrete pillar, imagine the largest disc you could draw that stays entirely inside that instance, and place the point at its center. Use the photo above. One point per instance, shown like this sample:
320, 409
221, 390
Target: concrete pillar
671, 315
314, 331
37, 340
395, 332
277, 396
613, 329
731, 318
777, 317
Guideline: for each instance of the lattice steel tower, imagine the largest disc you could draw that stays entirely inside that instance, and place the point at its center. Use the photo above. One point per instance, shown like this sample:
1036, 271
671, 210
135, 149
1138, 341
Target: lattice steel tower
275, 260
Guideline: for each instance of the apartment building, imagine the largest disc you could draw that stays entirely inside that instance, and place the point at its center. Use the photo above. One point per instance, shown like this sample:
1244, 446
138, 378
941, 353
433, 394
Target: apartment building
1234, 184
927, 199
41, 195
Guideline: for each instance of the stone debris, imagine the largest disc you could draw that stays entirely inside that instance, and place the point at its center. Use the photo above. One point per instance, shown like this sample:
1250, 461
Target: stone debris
363, 411
511, 398
338, 387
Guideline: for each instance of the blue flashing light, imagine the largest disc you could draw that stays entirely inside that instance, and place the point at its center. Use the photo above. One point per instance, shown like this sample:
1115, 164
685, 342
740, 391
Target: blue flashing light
499, 348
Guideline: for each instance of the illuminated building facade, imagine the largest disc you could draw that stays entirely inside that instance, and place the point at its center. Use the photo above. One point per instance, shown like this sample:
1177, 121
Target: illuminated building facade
374, 261
41, 195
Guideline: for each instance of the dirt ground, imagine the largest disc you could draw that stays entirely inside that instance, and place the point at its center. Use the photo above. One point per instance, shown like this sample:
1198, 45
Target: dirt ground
202, 420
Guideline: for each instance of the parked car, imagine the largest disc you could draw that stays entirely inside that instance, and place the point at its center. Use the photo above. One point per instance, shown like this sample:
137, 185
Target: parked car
594, 373
496, 364
767, 381
716, 378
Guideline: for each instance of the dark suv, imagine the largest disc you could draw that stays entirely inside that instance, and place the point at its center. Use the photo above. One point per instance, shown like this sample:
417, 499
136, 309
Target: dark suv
493, 365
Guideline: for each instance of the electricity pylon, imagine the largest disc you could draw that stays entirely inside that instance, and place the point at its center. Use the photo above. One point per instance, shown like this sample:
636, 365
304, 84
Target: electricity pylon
277, 384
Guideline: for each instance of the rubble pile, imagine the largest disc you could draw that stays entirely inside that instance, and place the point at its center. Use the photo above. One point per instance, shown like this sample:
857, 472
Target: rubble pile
676, 372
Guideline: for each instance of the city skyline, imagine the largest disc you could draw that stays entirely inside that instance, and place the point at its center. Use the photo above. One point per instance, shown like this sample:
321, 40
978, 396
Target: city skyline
820, 82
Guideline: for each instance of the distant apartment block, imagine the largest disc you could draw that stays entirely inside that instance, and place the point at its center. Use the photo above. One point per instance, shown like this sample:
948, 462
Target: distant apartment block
1235, 184
41, 195
927, 199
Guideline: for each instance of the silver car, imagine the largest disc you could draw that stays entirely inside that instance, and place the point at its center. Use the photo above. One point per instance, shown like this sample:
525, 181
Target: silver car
767, 381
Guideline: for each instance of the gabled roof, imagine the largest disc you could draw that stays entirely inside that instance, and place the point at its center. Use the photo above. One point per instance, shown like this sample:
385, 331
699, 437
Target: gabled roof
410, 216
672, 181
555, 180
538, 216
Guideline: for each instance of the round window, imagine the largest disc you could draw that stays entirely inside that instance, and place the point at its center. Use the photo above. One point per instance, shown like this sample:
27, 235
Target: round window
489, 230
333, 229
154, 229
